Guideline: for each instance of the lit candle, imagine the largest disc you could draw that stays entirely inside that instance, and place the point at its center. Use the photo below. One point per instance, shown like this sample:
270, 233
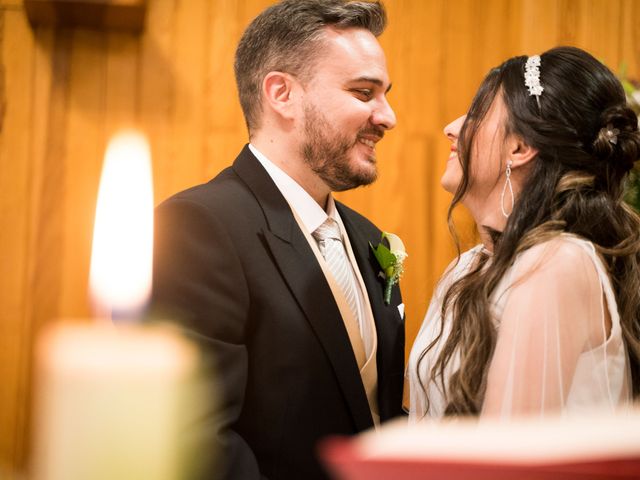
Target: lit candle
110, 401
121, 257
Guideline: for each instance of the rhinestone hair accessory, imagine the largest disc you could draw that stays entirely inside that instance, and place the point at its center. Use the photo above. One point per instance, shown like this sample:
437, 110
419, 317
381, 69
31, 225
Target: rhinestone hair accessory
611, 133
532, 77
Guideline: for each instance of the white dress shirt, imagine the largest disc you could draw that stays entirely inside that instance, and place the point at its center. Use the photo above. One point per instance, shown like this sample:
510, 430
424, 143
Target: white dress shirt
312, 216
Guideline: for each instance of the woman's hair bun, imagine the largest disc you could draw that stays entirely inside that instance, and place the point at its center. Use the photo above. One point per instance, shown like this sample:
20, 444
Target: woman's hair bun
618, 139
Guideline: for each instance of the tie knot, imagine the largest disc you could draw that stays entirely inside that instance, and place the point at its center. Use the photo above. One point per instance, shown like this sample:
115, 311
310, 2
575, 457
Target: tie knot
329, 229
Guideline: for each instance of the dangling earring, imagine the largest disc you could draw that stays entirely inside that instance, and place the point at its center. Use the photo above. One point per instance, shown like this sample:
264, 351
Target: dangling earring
507, 183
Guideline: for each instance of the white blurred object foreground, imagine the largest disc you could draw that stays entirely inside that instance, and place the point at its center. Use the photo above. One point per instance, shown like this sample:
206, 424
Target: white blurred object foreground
111, 403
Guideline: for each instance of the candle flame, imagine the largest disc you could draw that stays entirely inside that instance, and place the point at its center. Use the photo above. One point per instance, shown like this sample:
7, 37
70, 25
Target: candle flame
121, 257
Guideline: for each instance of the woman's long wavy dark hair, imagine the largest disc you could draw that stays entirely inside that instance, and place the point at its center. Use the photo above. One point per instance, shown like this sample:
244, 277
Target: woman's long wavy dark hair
575, 185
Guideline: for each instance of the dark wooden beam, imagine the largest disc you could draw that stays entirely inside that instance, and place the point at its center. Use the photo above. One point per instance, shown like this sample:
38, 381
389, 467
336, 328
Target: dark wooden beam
95, 14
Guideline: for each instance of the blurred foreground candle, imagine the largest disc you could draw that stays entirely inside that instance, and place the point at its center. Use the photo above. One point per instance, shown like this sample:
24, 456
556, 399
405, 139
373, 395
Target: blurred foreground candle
111, 402
121, 257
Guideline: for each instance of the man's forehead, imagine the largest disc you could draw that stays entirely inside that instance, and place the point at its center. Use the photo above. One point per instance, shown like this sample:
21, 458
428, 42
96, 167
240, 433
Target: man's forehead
354, 41
354, 54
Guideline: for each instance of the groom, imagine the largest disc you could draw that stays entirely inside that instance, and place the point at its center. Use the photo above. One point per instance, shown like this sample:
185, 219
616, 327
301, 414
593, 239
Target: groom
271, 276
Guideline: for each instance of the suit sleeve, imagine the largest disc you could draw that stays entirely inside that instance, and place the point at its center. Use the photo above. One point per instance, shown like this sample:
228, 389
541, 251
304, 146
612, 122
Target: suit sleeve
199, 283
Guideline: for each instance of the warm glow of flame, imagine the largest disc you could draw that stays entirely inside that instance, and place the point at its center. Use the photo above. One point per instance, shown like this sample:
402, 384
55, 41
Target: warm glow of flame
121, 258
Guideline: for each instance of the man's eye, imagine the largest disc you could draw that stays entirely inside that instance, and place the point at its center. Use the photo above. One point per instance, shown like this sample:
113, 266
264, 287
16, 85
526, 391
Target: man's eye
363, 93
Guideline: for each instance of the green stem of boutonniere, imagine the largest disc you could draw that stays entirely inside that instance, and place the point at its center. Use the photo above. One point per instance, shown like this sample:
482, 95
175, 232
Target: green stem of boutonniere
387, 291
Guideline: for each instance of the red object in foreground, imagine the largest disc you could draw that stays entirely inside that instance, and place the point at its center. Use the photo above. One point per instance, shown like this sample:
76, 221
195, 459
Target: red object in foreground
346, 461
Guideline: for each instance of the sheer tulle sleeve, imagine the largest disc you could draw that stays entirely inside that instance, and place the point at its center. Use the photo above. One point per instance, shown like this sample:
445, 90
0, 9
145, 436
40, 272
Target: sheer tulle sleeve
550, 310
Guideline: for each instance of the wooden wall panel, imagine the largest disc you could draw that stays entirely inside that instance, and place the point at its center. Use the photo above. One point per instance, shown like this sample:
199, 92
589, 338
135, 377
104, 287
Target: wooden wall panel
155, 92
15, 192
68, 91
81, 131
629, 35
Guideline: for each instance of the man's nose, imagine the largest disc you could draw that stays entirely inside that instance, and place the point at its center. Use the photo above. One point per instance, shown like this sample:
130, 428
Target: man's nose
384, 116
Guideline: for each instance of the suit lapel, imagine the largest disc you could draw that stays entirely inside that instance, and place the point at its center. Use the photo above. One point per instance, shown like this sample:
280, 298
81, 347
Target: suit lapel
305, 279
386, 317
368, 265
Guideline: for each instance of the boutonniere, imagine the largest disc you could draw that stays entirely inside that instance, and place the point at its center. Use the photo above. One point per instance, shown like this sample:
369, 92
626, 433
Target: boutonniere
391, 261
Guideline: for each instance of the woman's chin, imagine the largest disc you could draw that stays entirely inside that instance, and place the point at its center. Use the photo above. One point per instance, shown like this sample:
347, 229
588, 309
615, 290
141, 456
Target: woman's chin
449, 184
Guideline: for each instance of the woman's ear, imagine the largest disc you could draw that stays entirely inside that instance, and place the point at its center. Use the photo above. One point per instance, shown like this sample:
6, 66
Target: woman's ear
520, 152
278, 93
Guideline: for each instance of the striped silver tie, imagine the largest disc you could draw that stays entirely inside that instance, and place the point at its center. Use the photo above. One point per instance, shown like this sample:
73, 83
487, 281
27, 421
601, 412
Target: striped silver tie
332, 249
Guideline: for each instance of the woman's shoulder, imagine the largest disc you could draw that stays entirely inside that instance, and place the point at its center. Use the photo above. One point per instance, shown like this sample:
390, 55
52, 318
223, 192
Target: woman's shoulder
563, 257
461, 263
564, 247
456, 269
467, 256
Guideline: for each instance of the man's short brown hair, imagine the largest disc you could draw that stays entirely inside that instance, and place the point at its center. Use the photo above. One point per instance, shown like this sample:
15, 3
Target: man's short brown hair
287, 37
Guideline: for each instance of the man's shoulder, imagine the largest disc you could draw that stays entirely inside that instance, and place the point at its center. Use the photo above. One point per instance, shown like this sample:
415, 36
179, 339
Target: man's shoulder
223, 193
358, 220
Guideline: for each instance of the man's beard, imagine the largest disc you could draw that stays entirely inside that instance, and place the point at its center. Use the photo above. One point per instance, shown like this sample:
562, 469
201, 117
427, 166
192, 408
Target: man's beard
327, 153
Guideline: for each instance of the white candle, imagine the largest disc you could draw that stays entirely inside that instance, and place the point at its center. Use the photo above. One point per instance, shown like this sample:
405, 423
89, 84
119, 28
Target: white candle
110, 400
110, 403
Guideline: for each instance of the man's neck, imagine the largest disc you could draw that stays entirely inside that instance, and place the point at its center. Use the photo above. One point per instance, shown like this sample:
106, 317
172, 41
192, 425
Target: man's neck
289, 160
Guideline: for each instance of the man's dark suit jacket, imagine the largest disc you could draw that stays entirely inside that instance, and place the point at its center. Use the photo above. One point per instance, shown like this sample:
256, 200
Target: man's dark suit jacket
234, 269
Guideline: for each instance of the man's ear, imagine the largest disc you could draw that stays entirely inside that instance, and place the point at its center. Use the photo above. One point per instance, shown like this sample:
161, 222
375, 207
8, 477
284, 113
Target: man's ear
520, 152
278, 93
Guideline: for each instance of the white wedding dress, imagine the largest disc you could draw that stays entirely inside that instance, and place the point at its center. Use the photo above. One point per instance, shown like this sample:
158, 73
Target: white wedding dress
559, 347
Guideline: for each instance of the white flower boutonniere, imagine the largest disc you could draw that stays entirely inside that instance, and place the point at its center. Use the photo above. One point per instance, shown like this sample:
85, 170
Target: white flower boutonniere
391, 261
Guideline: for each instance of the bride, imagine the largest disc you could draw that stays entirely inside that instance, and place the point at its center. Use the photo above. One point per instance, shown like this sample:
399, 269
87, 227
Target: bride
544, 316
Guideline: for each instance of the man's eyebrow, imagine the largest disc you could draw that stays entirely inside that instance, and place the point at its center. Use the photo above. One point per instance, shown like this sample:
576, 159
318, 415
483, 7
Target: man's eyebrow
375, 81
